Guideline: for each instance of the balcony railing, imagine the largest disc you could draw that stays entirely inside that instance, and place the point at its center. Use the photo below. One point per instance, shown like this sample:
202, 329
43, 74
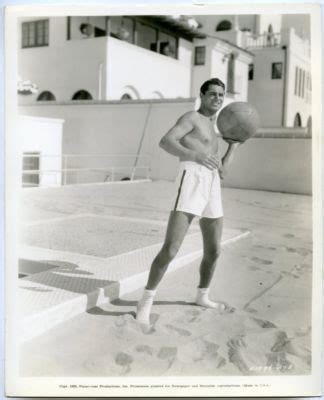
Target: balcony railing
77, 169
262, 41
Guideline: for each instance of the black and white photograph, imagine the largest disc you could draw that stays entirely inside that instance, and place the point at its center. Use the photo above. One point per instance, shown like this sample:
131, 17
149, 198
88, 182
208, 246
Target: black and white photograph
163, 217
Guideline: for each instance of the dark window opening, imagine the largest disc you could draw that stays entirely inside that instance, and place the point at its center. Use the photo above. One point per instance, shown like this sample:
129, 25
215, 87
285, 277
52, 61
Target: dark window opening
82, 95
30, 176
200, 55
296, 80
251, 72
303, 84
35, 33
122, 28
231, 74
126, 96
46, 96
276, 71
297, 121
224, 26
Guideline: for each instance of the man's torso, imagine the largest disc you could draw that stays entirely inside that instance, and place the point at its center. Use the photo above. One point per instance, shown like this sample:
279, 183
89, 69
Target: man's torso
202, 138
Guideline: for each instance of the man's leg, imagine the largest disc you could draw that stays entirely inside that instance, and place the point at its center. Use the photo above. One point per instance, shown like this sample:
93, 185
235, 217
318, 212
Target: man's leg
178, 225
211, 230
212, 233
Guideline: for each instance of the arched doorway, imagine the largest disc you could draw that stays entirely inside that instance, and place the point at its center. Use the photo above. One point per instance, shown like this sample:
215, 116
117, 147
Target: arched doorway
126, 96
297, 121
82, 95
156, 95
129, 92
46, 96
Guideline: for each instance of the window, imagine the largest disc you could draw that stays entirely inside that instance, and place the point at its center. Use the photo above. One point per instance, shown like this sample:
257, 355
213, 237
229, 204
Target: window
297, 121
143, 34
82, 95
303, 84
46, 96
276, 72
296, 80
168, 44
300, 83
126, 96
35, 34
224, 26
146, 36
200, 55
251, 72
231, 74
122, 28
30, 163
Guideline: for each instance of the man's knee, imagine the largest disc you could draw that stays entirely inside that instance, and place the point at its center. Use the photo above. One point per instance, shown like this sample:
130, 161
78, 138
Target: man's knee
212, 254
169, 251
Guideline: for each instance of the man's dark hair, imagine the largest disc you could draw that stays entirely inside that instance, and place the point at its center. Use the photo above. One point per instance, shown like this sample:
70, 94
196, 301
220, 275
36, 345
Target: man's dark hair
214, 81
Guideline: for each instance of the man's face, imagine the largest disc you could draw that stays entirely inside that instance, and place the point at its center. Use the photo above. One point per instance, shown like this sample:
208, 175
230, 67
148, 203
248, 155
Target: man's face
213, 97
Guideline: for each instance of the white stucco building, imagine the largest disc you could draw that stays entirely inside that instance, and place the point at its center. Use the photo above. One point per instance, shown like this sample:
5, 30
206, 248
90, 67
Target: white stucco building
40, 143
129, 57
279, 84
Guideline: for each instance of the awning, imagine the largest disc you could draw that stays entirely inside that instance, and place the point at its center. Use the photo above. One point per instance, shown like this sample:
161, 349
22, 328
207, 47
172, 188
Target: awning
183, 26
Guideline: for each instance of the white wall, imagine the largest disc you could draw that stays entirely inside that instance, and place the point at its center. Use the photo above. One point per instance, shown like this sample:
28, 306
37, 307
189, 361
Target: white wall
216, 65
63, 69
43, 135
298, 56
264, 93
271, 163
275, 164
200, 73
146, 71
67, 66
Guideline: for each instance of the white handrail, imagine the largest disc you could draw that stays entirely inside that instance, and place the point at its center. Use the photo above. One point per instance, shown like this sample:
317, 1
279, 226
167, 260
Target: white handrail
112, 169
86, 155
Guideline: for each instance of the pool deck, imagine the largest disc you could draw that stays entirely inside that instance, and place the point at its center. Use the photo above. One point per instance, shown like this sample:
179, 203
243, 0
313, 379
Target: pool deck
85, 253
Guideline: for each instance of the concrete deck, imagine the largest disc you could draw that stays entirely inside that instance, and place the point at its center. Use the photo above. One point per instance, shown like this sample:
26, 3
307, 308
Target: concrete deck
77, 252
266, 277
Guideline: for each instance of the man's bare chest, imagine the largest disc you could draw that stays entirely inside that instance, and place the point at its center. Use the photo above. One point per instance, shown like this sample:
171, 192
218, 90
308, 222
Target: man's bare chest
205, 132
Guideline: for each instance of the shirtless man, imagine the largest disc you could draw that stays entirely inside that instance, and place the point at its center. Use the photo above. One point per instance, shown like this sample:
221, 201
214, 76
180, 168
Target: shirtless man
194, 141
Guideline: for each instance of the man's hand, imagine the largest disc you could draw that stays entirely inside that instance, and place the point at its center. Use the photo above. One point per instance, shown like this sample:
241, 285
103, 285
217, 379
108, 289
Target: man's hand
231, 141
208, 160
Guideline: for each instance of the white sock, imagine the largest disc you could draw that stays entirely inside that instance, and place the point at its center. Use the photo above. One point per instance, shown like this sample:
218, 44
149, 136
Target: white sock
203, 300
144, 306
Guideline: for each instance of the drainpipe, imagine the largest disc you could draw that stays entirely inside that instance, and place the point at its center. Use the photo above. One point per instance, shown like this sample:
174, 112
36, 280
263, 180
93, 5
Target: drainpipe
285, 87
100, 81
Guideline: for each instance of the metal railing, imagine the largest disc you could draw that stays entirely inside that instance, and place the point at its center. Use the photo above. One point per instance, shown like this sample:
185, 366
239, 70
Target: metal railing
65, 169
264, 40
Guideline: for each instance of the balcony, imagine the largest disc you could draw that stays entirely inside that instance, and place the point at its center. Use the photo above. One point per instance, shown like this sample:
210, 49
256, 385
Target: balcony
262, 41
141, 57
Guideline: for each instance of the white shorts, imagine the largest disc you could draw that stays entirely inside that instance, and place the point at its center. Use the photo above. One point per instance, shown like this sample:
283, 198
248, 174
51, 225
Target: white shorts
199, 191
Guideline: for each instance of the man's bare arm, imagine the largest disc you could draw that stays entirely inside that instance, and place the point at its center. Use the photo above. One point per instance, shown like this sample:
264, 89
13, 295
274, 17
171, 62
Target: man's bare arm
171, 142
228, 157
